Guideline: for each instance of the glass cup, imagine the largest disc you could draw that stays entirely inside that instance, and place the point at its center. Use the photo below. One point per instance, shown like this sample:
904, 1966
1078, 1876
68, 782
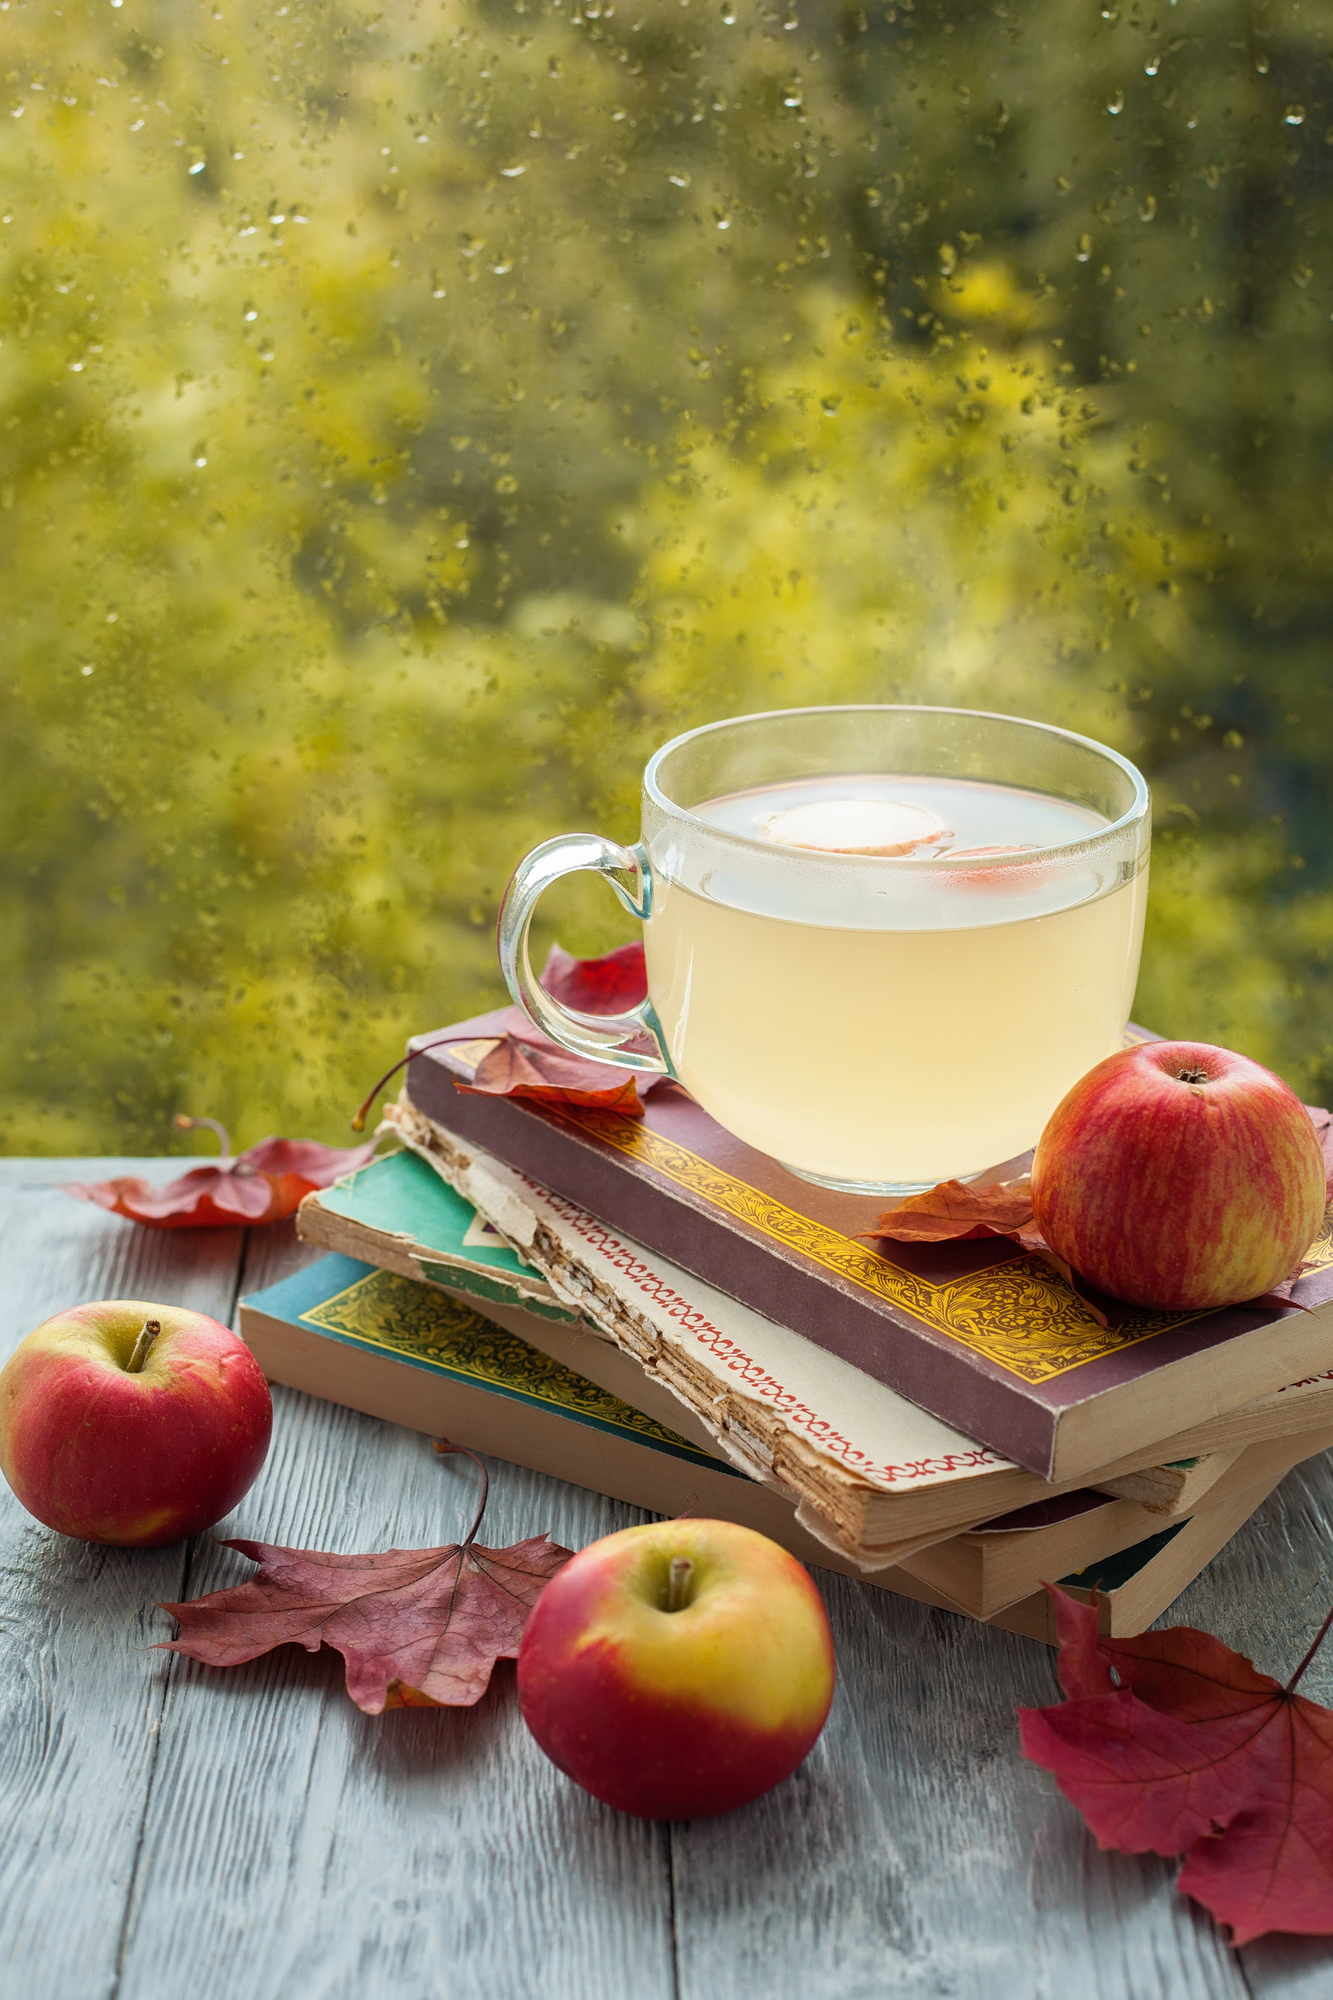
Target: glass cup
875, 1022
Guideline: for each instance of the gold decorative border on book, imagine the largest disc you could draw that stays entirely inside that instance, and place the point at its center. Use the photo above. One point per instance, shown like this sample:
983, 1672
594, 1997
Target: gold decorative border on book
398, 1316
1020, 1314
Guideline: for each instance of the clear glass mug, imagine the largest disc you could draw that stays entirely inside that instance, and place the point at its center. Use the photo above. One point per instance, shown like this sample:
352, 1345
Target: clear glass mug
876, 1023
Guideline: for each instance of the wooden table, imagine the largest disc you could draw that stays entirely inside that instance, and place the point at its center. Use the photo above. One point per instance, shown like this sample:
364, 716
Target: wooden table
169, 1830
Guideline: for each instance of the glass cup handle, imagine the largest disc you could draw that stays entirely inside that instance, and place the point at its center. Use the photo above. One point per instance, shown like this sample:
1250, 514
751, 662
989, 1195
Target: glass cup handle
601, 1036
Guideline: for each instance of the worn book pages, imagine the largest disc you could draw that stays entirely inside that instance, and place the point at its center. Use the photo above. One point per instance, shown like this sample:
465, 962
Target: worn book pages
987, 1336
872, 1474
413, 1354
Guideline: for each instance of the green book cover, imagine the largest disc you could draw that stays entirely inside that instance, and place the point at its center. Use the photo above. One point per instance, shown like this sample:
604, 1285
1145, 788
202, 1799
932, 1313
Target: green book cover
399, 1213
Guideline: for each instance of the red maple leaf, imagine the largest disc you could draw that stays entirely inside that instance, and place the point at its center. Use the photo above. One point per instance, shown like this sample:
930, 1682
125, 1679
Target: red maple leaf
551, 1075
262, 1185
1173, 1744
610, 984
417, 1628
527, 1063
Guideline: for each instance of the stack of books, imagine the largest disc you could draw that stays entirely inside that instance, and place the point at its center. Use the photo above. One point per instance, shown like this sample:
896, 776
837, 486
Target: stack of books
648, 1308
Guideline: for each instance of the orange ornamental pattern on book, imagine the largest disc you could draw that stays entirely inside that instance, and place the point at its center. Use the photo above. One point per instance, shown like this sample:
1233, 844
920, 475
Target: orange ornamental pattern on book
1020, 1314
752, 1373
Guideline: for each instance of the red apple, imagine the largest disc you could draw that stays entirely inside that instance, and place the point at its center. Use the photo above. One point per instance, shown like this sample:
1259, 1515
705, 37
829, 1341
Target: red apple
113, 1432
678, 1669
1175, 1174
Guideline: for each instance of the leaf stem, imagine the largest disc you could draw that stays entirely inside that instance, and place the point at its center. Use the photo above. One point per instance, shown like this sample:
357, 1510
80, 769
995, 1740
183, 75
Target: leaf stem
443, 1446
359, 1122
184, 1124
1316, 1643
148, 1333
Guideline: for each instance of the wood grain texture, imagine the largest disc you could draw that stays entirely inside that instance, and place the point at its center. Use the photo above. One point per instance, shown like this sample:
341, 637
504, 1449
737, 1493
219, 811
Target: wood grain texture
80, 1696
167, 1829
294, 1845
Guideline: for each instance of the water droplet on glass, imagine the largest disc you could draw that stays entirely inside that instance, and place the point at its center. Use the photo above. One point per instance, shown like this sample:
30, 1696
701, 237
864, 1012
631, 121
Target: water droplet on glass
512, 173
85, 671
1294, 114
197, 166
1116, 104
948, 259
1151, 67
266, 350
249, 310
679, 180
1261, 64
436, 285
831, 405
1084, 250
1147, 208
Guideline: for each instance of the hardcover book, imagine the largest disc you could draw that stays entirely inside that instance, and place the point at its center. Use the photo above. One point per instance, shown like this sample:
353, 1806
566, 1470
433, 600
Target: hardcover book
407, 1352
982, 1334
399, 1213
988, 1568
875, 1475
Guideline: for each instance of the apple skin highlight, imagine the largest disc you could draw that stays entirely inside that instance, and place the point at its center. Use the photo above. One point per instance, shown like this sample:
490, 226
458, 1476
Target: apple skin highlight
132, 1459
678, 1714
1179, 1175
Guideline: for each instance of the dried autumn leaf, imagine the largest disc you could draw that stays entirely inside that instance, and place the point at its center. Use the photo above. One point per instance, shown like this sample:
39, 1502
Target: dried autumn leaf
956, 1212
264, 1184
610, 984
1173, 1744
417, 1628
527, 1063
551, 1075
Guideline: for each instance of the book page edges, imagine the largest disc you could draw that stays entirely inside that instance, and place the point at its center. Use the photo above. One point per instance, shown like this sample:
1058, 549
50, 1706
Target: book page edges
868, 1523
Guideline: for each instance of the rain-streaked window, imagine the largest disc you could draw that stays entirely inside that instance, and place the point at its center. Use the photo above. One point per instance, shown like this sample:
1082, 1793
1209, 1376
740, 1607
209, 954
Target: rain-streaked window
413, 414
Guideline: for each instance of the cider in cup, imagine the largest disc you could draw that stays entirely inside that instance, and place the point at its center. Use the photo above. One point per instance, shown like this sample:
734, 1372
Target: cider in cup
882, 942
895, 1039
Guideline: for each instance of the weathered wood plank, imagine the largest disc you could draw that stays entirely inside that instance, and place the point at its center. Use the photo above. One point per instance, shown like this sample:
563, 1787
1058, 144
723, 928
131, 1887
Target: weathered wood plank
80, 1697
168, 1829
294, 1846
916, 1851
1267, 1594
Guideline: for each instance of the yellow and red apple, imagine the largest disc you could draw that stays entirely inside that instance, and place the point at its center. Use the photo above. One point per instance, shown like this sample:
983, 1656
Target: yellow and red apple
132, 1424
679, 1669
1176, 1174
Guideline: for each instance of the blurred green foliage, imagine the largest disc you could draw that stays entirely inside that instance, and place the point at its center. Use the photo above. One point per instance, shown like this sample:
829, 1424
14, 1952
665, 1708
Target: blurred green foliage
414, 414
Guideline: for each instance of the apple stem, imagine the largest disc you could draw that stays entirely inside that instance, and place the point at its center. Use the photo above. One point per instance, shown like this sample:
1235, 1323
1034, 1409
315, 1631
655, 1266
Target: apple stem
678, 1583
148, 1333
184, 1124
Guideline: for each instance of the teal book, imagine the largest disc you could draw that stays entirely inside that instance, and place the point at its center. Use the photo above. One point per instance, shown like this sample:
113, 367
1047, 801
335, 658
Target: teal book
397, 1212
